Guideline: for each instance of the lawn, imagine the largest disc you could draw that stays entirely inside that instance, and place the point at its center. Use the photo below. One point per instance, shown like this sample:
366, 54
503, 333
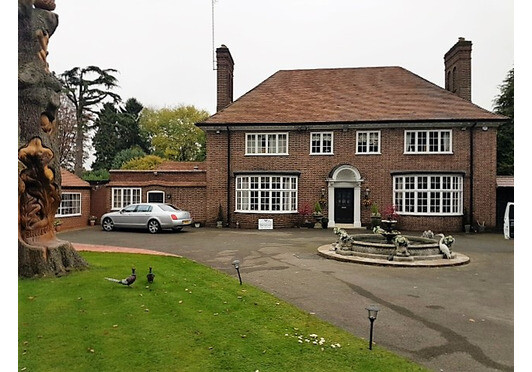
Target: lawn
191, 318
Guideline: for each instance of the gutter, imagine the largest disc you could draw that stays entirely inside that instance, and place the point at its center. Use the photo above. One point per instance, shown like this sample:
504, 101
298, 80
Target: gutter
228, 175
471, 167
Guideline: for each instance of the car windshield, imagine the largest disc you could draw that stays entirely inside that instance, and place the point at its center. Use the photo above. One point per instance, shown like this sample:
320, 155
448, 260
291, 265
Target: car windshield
168, 207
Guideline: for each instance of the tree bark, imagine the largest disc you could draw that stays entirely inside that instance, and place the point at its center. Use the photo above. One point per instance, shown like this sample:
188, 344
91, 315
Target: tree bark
39, 173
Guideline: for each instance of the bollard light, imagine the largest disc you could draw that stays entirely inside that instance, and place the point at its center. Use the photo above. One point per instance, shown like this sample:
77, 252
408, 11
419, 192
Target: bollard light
372, 315
236, 264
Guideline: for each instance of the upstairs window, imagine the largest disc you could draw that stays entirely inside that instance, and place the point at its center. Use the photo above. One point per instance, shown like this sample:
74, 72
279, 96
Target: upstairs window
321, 143
368, 142
267, 144
428, 142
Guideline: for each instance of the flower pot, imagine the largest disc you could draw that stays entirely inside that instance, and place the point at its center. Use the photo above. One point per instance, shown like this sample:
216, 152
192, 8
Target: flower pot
92, 222
197, 224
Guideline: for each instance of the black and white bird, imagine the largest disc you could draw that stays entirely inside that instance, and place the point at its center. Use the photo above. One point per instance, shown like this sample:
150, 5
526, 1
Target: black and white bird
150, 276
127, 281
443, 247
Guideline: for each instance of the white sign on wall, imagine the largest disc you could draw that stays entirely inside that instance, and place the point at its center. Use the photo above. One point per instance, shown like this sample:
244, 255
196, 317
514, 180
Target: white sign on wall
265, 224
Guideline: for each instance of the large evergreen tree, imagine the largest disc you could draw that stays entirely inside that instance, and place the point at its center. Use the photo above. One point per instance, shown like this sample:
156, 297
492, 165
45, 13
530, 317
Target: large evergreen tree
87, 88
504, 105
117, 129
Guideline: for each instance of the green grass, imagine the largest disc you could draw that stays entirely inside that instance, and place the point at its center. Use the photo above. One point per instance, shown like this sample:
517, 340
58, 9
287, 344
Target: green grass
192, 318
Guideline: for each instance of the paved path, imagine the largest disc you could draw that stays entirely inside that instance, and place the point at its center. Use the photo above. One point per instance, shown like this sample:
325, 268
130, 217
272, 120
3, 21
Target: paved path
448, 318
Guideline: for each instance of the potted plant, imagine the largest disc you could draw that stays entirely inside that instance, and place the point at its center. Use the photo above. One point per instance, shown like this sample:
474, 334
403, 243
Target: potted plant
375, 216
324, 222
305, 212
57, 224
318, 214
220, 220
92, 220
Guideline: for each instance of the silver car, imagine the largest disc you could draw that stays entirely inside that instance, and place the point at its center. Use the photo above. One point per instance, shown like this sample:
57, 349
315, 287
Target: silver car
151, 216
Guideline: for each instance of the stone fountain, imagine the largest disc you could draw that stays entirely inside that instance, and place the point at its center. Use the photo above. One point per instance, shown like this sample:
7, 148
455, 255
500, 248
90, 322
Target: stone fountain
387, 246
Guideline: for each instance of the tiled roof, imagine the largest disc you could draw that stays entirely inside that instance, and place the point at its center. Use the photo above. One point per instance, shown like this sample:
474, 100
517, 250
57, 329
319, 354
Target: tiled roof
71, 180
348, 95
505, 181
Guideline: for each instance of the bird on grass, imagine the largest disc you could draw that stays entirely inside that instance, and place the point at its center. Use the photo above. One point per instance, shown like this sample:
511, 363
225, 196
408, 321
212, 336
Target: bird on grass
127, 281
444, 248
150, 276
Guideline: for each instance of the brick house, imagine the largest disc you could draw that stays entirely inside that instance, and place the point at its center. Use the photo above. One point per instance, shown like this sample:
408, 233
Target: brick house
350, 137
182, 184
75, 207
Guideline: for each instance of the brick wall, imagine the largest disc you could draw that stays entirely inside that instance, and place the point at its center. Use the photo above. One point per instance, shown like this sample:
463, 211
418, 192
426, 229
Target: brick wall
375, 170
186, 189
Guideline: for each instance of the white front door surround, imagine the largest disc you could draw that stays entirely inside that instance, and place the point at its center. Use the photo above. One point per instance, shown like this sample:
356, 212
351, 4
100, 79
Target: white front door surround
344, 176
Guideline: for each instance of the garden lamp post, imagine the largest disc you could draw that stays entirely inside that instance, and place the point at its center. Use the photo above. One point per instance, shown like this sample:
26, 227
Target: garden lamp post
236, 264
372, 315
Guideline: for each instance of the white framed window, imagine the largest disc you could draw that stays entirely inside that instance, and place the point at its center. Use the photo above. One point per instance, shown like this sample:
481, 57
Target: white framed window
428, 141
123, 196
369, 142
428, 194
266, 193
70, 204
266, 143
321, 143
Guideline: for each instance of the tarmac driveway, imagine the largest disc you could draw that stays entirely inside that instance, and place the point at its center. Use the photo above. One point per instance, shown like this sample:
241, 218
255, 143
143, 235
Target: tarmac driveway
448, 318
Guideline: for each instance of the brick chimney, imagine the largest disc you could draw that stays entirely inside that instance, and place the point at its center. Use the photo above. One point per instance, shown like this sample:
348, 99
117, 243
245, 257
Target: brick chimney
458, 69
224, 64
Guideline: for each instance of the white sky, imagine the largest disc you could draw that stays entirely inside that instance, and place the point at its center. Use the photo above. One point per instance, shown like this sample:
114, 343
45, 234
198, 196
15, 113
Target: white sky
163, 49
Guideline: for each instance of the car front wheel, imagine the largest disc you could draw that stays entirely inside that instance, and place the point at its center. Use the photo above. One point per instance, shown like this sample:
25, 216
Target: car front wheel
107, 224
153, 226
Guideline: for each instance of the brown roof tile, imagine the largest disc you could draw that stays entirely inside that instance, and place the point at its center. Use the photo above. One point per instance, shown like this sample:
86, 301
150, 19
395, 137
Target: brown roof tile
71, 180
372, 94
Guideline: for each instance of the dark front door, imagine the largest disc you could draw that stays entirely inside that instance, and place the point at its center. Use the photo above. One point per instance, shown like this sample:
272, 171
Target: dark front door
343, 205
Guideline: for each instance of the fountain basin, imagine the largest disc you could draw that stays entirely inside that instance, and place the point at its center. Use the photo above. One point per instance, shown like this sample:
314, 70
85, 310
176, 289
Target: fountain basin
374, 249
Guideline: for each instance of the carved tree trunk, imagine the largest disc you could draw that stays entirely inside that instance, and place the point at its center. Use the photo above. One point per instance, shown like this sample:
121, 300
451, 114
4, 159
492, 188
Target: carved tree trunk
39, 175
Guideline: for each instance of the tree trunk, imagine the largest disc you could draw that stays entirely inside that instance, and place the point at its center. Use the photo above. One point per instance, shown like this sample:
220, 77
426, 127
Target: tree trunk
39, 173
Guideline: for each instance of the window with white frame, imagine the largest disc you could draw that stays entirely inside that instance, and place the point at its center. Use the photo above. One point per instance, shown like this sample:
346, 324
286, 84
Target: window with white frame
123, 196
266, 143
368, 142
428, 194
70, 204
428, 141
266, 193
321, 143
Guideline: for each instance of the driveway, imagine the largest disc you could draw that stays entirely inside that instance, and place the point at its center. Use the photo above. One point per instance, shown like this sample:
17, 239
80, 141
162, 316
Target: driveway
448, 318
